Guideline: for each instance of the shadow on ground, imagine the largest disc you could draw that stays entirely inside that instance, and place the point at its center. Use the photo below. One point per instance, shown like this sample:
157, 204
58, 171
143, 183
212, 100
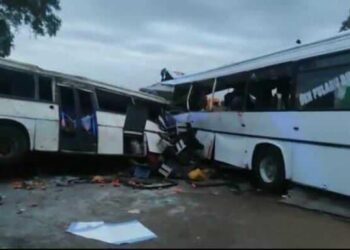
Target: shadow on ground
57, 164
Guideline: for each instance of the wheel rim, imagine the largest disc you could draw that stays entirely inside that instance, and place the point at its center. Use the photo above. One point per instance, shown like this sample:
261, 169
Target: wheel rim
6, 146
268, 170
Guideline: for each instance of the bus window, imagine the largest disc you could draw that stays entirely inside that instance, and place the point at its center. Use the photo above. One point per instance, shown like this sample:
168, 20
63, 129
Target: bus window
198, 99
111, 102
16, 84
45, 89
269, 93
324, 88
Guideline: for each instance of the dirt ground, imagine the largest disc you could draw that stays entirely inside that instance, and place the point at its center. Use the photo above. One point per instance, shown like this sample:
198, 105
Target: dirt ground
195, 218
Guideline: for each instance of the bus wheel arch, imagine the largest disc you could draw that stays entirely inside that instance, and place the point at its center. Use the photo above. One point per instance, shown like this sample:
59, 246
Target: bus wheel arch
268, 167
15, 141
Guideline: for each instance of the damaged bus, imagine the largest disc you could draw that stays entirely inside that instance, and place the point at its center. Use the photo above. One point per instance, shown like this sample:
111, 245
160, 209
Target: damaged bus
283, 116
48, 111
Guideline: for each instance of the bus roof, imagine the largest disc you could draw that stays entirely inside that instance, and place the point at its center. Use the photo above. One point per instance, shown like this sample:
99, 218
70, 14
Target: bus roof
333, 44
79, 79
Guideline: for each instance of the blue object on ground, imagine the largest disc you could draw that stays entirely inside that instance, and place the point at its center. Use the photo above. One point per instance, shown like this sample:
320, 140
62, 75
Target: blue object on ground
142, 172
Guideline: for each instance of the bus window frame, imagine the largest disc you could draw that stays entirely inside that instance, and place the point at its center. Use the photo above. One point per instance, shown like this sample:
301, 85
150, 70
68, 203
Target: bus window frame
20, 98
293, 81
300, 71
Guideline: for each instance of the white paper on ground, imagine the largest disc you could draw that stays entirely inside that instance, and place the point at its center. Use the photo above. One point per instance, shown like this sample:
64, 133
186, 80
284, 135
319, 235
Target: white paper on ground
113, 233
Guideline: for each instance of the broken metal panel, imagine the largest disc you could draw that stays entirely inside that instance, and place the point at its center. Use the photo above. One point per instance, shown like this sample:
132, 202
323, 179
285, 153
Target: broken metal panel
208, 140
159, 89
136, 118
154, 143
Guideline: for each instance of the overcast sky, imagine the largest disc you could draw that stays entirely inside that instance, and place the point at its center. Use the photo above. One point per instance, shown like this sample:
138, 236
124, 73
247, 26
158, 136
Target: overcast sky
128, 42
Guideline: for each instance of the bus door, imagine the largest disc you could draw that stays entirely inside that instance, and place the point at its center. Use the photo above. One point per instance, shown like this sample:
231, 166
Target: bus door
134, 130
78, 126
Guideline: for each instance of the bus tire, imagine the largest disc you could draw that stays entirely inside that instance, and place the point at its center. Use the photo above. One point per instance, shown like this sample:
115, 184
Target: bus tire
269, 171
14, 144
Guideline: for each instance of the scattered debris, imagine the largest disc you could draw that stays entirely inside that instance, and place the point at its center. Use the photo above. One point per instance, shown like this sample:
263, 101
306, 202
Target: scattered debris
98, 179
285, 196
17, 184
29, 185
197, 175
33, 205
177, 210
113, 233
210, 183
165, 170
21, 210
134, 211
178, 190
65, 181
116, 183
138, 184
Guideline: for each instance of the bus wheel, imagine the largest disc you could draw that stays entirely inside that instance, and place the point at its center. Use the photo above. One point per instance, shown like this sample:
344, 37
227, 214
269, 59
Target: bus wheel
13, 145
269, 170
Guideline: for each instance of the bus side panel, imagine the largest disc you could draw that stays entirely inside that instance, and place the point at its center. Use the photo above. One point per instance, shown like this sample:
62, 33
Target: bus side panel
28, 109
46, 135
110, 133
230, 149
30, 113
322, 167
207, 139
29, 124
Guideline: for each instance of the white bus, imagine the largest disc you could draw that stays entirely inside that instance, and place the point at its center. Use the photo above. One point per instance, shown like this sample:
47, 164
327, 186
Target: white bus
287, 118
53, 112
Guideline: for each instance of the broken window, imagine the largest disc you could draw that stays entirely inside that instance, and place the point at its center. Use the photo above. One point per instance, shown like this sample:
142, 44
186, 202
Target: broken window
111, 102
324, 84
45, 89
198, 95
270, 90
16, 84
229, 93
154, 109
233, 100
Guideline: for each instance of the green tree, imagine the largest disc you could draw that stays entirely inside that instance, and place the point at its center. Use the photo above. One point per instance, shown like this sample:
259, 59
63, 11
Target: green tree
345, 25
39, 15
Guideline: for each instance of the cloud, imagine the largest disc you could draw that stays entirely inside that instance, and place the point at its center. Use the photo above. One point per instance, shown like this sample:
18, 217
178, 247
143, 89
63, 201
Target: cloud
129, 42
